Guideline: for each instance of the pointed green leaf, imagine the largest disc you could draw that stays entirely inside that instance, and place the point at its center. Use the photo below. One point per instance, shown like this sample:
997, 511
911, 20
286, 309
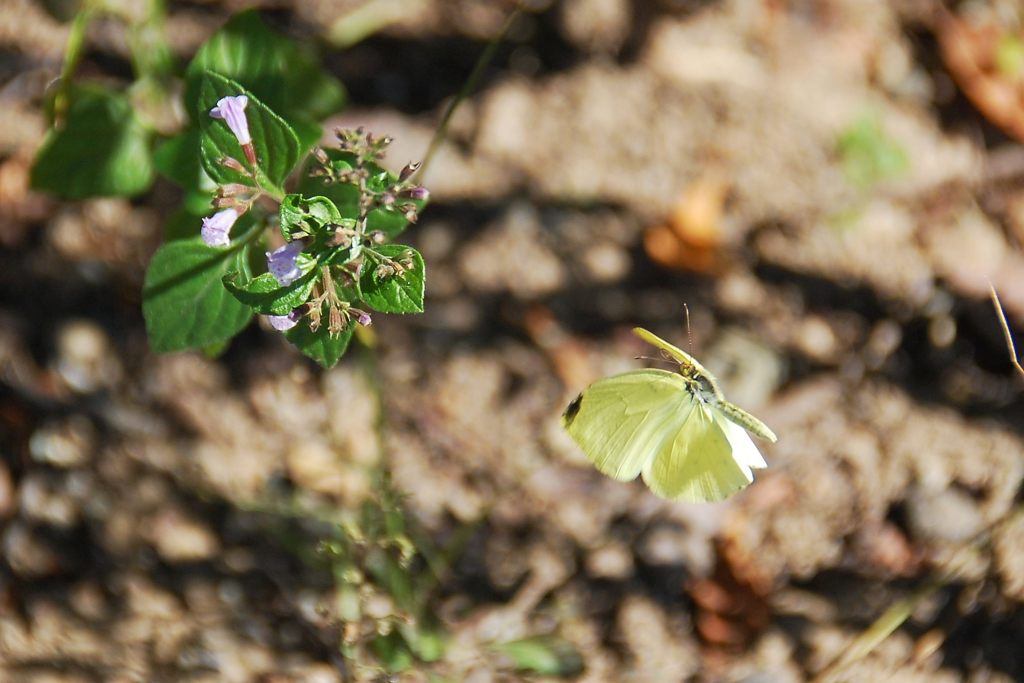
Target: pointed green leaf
265, 294
393, 293
320, 345
183, 300
277, 148
101, 150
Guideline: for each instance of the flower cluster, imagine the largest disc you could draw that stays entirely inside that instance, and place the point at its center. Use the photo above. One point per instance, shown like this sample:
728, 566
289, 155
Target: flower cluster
343, 251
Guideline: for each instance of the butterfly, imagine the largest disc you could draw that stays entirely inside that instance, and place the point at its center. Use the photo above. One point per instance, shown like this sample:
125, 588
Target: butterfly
674, 428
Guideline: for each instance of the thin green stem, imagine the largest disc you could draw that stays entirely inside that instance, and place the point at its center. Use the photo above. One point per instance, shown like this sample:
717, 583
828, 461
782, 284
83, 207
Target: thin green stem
467, 88
72, 58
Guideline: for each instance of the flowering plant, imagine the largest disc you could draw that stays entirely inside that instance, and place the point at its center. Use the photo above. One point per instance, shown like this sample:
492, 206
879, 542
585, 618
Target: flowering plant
270, 225
328, 259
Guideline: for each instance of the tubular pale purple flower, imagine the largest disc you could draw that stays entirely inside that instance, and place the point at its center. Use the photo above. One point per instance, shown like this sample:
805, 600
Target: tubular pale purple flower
364, 319
283, 323
282, 263
232, 111
217, 228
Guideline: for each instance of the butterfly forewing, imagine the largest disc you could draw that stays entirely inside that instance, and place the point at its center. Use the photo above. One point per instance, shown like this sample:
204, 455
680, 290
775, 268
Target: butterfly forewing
621, 422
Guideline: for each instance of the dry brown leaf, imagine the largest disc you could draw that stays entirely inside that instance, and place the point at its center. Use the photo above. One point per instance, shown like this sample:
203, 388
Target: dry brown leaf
693, 236
970, 53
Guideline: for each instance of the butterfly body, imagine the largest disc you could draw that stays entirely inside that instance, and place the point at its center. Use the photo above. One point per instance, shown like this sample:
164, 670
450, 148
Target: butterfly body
676, 429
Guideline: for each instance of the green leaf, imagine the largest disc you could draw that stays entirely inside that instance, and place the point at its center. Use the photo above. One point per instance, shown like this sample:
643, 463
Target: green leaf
216, 349
284, 75
307, 215
320, 345
183, 224
392, 652
265, 295
178, 158
394, 293
101, 150
544, 655
277, 148
183, 300
308, 132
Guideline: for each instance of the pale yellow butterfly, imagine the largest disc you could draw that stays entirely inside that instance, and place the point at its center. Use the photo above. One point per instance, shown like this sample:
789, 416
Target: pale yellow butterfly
674, 428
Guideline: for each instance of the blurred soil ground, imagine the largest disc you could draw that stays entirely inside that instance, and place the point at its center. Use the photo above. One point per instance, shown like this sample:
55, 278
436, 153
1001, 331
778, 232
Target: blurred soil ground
620, 158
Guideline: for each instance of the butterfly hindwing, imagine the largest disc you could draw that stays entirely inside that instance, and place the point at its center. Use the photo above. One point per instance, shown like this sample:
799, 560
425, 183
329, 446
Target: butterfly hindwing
621, 422
697, 465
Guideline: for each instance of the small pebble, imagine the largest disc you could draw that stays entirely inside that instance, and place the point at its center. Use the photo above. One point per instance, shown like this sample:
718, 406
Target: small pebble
947, 515
85, 357
180, 539
64, 444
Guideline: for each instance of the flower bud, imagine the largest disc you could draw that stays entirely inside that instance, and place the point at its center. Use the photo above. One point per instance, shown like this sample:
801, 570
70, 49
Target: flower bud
232, 189
234, 164
420, 194
409, 169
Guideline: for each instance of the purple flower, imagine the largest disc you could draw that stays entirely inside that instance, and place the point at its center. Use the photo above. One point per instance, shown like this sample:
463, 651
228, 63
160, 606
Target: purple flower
217, 227
363, 318
282, 262
232, 111
283, 323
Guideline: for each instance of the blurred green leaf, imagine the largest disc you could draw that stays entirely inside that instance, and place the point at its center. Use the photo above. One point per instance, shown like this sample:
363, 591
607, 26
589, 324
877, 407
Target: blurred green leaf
283, 74
392, 652
544, 655
869, 155
179, 159
101, 150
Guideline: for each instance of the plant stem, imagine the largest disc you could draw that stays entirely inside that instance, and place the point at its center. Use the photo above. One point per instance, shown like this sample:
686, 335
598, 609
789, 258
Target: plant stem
468, 87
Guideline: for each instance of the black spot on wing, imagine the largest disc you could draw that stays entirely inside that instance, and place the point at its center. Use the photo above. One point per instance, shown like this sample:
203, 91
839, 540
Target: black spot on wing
571, 410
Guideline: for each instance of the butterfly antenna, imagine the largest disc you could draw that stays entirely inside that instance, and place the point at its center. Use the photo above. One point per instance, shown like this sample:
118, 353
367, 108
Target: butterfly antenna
689, 334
